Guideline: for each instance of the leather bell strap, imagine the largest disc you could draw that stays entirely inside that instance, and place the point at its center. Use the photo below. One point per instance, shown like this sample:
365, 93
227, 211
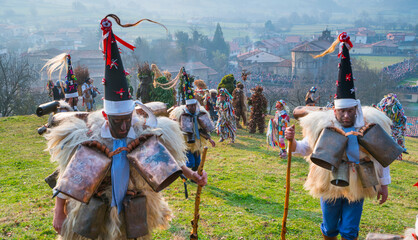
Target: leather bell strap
131, 146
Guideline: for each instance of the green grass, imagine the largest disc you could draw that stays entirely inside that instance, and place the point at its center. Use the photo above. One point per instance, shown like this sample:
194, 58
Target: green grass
379, 62
409, 81
243, 199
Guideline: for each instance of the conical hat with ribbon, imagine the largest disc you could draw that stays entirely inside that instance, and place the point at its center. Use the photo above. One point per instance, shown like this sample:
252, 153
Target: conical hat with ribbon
345, 96
117, 95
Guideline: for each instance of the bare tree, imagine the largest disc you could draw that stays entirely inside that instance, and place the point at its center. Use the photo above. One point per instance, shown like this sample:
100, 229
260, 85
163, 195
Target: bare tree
274, 94
16, 95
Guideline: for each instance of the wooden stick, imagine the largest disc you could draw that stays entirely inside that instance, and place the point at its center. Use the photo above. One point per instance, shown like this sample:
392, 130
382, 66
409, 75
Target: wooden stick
286, 200
196, 217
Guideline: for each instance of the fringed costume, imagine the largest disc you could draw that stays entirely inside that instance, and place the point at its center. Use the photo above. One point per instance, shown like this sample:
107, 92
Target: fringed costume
391, 106
63, 141
277, 126
239, 102
113, 163
258, 109
348, 150
225, 127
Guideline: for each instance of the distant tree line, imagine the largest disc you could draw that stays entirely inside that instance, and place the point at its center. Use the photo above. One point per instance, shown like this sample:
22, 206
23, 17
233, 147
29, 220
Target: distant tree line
162, 52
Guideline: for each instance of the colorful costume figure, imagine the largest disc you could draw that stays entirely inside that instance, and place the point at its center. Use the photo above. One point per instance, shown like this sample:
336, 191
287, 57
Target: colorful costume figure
225, 127
391, 106
277, 126
210, 104
310, 99
343, 182
239, 102
258, 109
71, 93
110, 163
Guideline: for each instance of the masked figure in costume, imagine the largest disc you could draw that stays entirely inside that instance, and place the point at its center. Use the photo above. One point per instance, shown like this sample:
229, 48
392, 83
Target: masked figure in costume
258, 109
196, 124
225, 127
113, 164
239, 102
70, 86
346, 164
277, 126
391, 106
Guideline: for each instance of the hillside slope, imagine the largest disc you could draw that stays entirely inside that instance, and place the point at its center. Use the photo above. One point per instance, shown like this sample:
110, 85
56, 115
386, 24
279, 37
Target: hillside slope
243, 200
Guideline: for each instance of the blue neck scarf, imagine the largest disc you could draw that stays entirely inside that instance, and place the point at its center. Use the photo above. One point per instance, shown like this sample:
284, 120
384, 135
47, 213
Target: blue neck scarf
352, 150
195, 123
119, 174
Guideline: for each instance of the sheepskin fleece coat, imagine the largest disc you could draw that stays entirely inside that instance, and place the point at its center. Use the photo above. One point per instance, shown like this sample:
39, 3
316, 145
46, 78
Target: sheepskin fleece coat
318, 182
198, 146
62, 143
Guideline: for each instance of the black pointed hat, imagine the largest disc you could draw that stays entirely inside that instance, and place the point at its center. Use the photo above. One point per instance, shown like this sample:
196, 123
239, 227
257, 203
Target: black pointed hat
117, 96
346, 92
345, 82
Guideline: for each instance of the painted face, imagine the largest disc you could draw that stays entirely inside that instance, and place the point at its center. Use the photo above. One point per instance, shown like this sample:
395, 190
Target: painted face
346, 116
191, 108
223, 98
120, 125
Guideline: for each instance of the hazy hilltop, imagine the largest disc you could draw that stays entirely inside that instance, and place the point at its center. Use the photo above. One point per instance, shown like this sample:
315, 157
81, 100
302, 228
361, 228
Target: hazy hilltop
261, 10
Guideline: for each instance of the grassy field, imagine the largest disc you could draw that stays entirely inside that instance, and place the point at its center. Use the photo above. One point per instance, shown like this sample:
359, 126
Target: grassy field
379, 62
409, 81
243, 199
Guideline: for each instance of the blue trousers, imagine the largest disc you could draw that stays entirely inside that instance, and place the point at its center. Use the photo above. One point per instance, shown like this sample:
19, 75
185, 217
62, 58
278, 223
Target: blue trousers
341, 217
193, 160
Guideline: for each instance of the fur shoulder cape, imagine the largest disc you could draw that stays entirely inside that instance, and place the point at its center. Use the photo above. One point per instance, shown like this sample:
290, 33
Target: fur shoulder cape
318, 180
198, 146
62, 144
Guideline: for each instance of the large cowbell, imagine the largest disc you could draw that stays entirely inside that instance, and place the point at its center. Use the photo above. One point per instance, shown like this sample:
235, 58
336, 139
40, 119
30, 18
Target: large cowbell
205, 122
329, 149
155, 164
340, 175
367, 174
380, 145
187, 125
83, 174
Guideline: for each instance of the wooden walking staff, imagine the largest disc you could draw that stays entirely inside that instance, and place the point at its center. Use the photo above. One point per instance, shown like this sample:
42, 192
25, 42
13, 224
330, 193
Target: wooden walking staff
286, 199
195, 220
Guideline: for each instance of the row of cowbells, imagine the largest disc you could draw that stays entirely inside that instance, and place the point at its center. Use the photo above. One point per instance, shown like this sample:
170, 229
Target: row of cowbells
329, 153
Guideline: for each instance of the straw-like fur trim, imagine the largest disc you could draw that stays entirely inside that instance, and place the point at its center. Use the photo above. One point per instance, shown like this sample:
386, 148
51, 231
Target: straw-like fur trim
200, 143
62, 142
171, 138
318, 180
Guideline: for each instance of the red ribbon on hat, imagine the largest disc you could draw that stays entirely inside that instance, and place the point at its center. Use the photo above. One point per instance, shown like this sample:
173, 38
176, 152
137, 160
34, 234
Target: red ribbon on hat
344, 38
106, 26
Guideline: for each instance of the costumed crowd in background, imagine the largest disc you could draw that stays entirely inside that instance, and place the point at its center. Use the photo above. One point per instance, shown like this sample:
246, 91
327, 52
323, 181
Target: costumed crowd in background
113, 163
